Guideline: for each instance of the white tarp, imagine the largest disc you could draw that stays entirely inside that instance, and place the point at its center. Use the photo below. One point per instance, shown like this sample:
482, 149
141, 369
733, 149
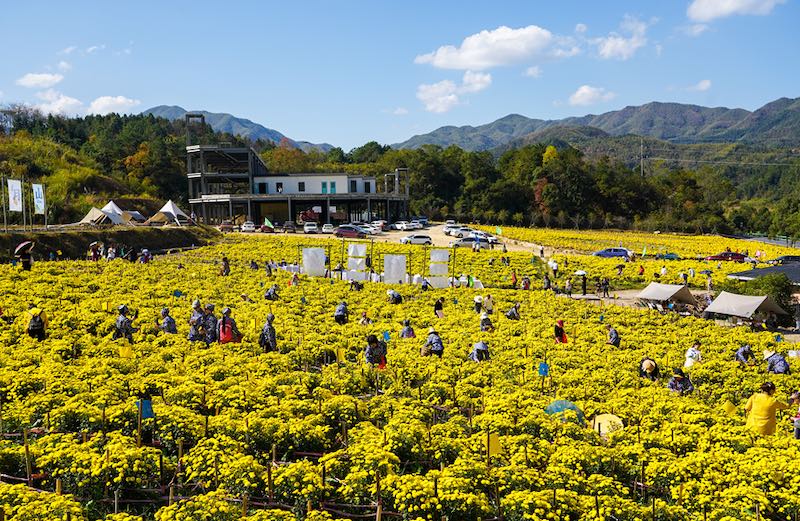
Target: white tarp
663, 292
111, 207
440, 255
356, 250
744, 306
438, 269
314, 262
394, 269
355, 275
98, 216
356, 263
439, 282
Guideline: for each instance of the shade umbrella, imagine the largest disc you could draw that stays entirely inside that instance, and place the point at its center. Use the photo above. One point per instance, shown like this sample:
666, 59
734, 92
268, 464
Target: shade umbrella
560, 408
607, 423
24, 247
580, 272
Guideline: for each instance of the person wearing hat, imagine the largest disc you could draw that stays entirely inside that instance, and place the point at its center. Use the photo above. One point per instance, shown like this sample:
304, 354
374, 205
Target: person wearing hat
480, 352
776, 363
227, 330
272, 293
341, 313
478, 303
433, 344
513, 313
123, 326
486, 323
613, 336
761, 409
196, 322
648, 368
680, 382
209, 324
375, 352
745, 356
167, 324
558, 332
268, 339
407, 331
438, 307
393, 297
365, 320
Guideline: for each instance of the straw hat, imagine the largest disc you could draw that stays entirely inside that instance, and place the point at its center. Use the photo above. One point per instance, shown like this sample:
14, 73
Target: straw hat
648, 366
431, 330
768, 353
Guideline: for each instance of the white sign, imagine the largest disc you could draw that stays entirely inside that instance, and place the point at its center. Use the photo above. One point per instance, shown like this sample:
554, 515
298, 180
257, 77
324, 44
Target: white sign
38, 199
15, 195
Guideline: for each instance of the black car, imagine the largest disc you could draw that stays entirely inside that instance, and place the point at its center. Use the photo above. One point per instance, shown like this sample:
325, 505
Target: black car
289, 227
786, 259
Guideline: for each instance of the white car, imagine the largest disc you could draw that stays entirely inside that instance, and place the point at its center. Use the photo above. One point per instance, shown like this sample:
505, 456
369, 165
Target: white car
449, 222
415, 225
310, 228
248, 226
462, 232
401, 225
483, 235
450, 228
416, 239
381, 224
469, 242
327, 228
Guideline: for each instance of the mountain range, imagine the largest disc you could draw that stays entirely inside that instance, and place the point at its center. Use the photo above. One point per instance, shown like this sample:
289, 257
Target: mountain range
222, 122
776, 124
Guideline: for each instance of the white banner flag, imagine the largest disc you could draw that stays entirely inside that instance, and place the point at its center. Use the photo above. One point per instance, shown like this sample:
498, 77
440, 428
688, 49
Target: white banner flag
38, 199
15, 195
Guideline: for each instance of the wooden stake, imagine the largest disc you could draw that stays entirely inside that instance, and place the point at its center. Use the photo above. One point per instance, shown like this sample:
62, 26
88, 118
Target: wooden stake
58, 486
28, 470
171, 494
139, 425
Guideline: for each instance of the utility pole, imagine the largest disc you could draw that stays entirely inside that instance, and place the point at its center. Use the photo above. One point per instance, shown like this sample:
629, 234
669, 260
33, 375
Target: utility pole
641, 156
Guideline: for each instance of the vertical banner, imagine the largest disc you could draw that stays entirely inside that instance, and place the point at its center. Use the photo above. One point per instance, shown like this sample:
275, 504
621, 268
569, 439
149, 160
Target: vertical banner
38, 199
15, 195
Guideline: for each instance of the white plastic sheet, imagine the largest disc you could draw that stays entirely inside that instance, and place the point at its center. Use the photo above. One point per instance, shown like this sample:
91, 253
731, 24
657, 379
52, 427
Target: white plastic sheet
438, 269
356, 250
394, 269
440, 255
439, 282
356, 263
314, 262
355, 275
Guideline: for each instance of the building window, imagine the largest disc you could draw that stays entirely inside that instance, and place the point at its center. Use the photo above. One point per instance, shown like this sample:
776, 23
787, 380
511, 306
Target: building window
353, 186
324, 187
279, 187
333, 187
366, 187
262, 188
301, 186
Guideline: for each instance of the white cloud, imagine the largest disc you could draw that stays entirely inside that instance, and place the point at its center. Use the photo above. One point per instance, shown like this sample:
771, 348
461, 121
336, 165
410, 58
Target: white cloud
616, 46
442, 96
39, 80
95, 48
533, 72
57, 103
486, 49
107, 104
695, 29
707, 10
400, 111
67, 50
64, 65
700, 86
438, 97
475, 81
588, 95
580, 28
659, 49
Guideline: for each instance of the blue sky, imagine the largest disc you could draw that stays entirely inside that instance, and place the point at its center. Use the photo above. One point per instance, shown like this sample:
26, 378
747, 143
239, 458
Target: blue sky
353, 71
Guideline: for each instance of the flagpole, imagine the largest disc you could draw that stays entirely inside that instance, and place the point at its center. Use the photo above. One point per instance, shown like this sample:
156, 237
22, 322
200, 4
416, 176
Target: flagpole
44, 201
24, 223
3, 191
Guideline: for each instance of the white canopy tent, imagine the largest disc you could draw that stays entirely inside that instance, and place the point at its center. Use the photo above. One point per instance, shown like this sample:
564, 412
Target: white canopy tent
169, 213
111, 207
667, 292
97, 216
132, 216
744, 306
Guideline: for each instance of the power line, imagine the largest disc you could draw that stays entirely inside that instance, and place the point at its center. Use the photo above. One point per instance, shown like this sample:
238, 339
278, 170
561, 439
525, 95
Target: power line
735, 163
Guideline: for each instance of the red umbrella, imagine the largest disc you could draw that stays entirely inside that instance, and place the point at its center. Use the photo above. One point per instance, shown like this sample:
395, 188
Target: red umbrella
24, 247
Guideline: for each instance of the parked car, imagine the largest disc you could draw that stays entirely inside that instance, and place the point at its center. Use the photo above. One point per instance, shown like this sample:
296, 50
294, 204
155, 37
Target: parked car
248, 227
289, 227
227, 226
421, 219
415, 225
614, 252
327, 228
786, 259
449, 222
464, 231
469, 242
380, 223
416, 239
266, 229
483, 235
310, 228
400, 225
350, 232
731, 256
450, 228
668, 256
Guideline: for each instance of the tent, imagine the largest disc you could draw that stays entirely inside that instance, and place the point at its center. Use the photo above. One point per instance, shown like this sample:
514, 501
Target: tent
97, 216
132, 216
667, 292
169, 213
111, 207
744, 306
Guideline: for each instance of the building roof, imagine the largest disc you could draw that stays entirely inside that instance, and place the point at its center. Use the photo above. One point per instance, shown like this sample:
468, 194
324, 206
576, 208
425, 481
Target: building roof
791, 270
662, 292
744, 306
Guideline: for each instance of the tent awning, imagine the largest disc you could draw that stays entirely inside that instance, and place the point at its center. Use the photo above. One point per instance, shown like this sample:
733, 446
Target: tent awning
111, 207
671, 292
98, 216
744, 306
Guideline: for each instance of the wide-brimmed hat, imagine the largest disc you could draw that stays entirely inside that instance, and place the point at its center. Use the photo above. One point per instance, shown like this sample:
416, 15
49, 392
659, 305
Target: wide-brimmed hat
431, 330
196, 304
226, 311
122, 309
210, 306
648, 366
768, 353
